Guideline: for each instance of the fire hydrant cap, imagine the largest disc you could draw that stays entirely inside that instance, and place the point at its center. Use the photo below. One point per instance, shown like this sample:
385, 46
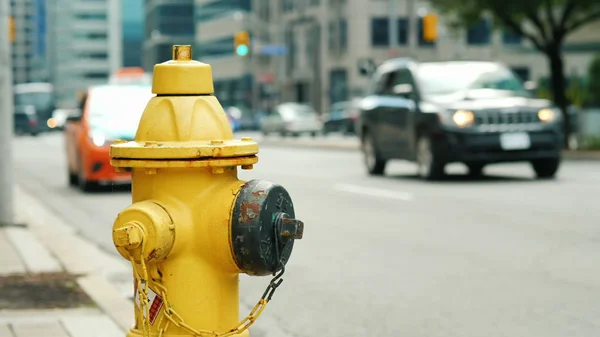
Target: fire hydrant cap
263, 228
182, 75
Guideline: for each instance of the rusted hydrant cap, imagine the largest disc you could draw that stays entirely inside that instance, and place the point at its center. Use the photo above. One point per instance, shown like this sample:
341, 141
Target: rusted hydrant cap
182, 75
263, 228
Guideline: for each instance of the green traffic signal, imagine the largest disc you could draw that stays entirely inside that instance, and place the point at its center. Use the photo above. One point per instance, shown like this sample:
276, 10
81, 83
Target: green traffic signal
242, 50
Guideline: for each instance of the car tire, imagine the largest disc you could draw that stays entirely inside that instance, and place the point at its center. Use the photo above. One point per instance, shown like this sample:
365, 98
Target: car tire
545, 168
313, 134
429, 166
373, 162
475, 170
84, 184
73, 179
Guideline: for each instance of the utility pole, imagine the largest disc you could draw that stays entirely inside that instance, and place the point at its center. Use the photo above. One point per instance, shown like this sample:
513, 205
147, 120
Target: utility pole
6, 119
413, 28
393, 27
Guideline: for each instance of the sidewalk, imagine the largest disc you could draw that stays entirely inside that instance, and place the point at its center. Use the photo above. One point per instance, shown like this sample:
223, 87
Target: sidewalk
55, 282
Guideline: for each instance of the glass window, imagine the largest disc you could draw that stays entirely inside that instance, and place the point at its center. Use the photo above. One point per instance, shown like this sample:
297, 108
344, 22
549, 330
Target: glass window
338, 85
96, 75
510, 37
403, 31
447, 78
479, 33
343, 34
91, 16
331, 35
380, 32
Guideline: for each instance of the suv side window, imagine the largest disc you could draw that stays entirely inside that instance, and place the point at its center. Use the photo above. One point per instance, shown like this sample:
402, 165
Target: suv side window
403, 77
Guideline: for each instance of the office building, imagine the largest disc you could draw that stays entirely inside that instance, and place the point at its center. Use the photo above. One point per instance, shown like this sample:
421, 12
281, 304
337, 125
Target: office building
84, 45
324, 49
217, 22
132, 23
167, 22
28, 49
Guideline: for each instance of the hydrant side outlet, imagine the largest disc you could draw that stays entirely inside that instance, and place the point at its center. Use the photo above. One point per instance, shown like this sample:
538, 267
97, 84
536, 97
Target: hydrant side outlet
259, 244
147, 219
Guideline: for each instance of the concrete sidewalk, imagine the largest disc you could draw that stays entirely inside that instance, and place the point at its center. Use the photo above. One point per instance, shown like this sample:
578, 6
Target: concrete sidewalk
44, 245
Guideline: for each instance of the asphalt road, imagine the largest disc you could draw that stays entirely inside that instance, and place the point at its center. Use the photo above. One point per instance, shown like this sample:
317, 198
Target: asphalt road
504, 255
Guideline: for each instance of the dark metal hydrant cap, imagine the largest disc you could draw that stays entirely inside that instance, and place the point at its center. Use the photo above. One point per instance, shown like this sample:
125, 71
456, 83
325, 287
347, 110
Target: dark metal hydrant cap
263, 228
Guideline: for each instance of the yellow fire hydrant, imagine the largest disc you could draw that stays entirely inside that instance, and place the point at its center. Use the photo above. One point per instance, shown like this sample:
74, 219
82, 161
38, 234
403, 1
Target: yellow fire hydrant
193, 226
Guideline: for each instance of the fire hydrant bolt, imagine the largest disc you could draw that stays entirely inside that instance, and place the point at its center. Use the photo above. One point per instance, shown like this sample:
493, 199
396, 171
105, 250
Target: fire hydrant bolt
129, 237
291, 228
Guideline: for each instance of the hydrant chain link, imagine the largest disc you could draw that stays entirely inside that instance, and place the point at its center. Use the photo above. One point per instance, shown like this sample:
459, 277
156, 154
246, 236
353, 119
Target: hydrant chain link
172, 315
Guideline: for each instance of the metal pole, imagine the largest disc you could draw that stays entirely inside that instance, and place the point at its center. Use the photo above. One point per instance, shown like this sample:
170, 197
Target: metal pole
413, 29
393, 26
282, 69
6, 120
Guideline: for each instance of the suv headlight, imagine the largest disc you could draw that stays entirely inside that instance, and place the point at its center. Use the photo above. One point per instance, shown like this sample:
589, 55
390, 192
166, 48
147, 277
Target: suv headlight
548, 115
463, 118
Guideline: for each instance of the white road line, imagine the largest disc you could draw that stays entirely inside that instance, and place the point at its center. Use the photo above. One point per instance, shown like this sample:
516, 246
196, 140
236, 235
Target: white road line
374, 192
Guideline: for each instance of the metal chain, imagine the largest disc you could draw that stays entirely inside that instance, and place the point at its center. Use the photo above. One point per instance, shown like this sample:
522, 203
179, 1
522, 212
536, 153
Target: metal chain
172, 317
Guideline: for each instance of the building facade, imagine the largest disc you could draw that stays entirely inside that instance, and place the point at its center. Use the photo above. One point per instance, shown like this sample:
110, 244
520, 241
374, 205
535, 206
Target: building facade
132, 23
326, 40
217, 22
29, 47
84, 45
167, 22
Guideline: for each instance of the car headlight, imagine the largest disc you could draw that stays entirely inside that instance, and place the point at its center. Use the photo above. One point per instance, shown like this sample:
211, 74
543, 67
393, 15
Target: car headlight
463, 118
548, 115
98, 138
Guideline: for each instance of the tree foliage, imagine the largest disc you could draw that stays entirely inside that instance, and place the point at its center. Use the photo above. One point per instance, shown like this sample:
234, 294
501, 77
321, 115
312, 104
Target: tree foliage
543, 22
593, 86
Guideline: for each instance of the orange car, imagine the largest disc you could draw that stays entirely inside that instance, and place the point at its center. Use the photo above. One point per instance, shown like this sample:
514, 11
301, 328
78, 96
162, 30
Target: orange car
108, 112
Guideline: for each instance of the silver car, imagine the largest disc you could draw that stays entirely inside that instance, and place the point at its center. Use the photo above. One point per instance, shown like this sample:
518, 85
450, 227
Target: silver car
292, 119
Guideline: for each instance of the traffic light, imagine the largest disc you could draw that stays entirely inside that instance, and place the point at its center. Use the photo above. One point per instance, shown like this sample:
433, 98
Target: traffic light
12, 29
242, 43
430, 24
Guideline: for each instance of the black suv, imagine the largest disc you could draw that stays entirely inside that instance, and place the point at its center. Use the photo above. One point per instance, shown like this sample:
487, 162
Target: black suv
478, 113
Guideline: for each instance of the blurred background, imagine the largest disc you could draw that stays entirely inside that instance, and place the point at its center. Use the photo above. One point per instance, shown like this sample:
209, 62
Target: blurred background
494, 254
308, 51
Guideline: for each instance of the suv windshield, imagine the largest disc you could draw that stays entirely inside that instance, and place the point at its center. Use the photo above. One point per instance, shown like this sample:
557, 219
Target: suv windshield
41, 100
118, 108
295, 110
448, 78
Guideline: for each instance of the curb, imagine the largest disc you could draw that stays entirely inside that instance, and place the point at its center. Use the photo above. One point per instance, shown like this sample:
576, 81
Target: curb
78, 257
568, 155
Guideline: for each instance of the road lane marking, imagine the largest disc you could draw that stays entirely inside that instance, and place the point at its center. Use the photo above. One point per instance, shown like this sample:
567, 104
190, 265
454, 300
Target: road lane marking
374, 192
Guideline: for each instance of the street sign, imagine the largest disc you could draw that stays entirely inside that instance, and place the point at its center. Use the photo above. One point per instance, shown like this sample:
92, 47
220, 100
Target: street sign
272, 49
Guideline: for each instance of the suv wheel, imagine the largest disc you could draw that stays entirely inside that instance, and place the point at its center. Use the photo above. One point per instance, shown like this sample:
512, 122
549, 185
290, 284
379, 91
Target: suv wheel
374, 163
429, 167
546, 168
84, 184
73, 179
